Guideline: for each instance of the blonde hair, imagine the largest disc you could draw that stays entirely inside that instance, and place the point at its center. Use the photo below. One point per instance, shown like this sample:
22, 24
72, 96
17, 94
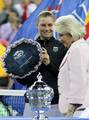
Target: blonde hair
69, 24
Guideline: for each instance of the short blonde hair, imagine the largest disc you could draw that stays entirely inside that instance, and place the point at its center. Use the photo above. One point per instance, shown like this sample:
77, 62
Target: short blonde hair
69, 24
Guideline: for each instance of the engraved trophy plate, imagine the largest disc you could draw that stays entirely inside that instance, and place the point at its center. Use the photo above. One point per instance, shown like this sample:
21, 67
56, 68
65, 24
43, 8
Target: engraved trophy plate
22, 58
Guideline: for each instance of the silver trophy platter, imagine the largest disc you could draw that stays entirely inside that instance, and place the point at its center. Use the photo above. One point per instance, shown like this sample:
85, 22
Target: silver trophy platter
22, 57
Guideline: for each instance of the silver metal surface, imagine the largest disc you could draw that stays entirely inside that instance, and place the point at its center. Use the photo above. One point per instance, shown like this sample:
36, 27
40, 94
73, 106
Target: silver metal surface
40, 96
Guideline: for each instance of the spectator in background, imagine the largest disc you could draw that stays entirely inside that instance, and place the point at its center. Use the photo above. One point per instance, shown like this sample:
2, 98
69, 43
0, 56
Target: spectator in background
73, 77
26, 7
31, 8
9, 29
33, 5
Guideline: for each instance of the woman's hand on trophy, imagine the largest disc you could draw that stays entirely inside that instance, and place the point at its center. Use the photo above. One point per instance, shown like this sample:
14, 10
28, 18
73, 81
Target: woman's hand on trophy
44, 57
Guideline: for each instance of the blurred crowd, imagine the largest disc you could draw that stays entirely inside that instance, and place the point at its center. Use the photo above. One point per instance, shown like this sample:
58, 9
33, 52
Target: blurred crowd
12, 15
